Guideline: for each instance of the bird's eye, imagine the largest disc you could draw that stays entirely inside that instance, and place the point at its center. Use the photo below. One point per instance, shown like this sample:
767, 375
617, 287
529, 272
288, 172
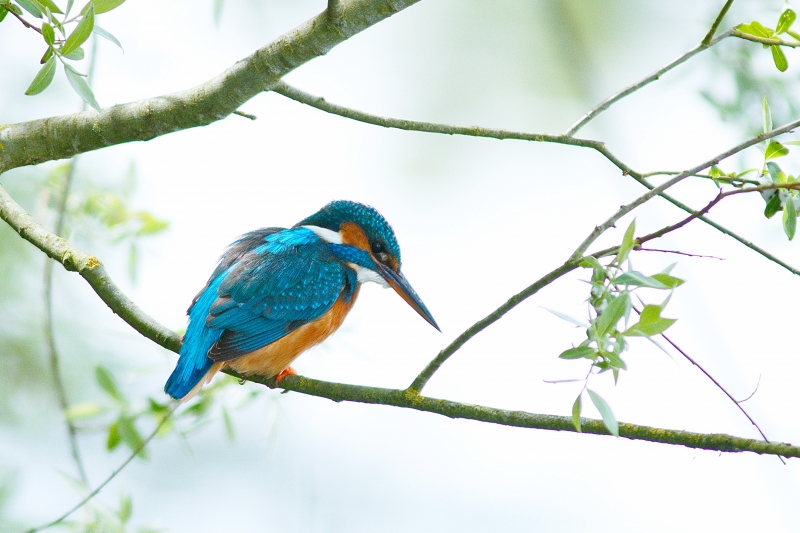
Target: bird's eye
378, 248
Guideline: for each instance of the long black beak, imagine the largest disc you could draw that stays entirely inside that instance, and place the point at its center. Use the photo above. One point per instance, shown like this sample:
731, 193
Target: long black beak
399, 283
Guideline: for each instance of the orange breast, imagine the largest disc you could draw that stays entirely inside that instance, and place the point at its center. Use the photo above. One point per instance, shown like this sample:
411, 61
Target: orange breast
270, 360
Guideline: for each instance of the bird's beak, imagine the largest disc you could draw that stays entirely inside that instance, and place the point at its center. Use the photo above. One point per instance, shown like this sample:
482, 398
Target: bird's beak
399, 283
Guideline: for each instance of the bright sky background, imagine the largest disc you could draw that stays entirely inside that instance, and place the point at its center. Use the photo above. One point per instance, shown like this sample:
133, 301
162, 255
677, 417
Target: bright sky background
477, 220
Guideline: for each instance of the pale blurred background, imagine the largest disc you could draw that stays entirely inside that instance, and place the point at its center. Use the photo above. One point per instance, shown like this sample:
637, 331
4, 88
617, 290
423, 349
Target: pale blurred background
477, 219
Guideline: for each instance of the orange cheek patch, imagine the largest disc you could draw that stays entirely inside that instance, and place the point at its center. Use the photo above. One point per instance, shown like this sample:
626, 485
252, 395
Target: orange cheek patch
354, 236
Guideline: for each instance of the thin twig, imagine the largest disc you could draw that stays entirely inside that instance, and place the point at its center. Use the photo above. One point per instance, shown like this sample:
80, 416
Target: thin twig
320, 103
720, 387
715, 26
22, 20
599, 230
245, 115
49, 329
113, 474
676, 252
752, 393
763, 40
608, 102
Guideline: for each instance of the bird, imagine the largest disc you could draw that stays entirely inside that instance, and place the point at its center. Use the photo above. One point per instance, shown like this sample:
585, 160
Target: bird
276, 292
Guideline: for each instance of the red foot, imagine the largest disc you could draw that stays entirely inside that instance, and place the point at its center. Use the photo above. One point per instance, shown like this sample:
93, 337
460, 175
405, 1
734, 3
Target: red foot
288, 371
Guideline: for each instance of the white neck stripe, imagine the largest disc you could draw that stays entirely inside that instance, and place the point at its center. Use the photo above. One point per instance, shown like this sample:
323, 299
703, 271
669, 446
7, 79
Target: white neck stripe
326, 235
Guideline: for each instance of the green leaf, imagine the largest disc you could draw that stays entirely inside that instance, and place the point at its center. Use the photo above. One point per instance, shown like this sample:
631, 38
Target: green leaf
579, 352
49, 4
75, 55
639, 280
591, 262
756, 28
30, 7
130, 435
48, 33
775, 150
42, 78
3, 13
779, 58
766, 116
773, 206
229, 429
82, 411
14, 9
785, 21
627, 243
106, 35
81, 32
102, 6
125, 509
47, 55
670, 281
605, 412
106, 382
81, 87
789, 217
795, 35
650, 323
576, 413
776, 173
568, 318
150, 224
617, 308
113, 439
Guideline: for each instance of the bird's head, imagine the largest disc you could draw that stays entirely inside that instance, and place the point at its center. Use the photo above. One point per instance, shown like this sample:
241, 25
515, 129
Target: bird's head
358, 234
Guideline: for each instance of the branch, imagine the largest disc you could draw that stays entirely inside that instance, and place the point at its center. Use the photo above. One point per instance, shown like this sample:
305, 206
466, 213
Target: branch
30, 143
90, 268
408, 399
763, 40
320, 103
715, 26
611, 100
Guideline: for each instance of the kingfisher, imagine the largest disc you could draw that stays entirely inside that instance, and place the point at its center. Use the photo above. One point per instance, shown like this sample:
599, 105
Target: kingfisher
276, 292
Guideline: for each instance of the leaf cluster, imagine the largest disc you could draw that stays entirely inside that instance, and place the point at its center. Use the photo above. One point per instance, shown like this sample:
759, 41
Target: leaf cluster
783, 26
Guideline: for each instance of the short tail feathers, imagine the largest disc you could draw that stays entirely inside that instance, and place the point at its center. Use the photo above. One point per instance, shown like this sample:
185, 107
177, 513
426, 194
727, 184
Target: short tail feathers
194, 364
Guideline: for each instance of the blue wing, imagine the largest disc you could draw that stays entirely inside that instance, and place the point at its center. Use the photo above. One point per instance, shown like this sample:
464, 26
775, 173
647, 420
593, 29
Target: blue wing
268, 283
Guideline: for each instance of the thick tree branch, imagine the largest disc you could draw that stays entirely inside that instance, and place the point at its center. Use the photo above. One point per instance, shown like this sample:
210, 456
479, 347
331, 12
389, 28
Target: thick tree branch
33, 142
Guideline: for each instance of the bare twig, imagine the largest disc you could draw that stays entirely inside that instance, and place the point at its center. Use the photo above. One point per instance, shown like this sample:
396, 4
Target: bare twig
22, 20
640, 249
611, 100
113, 474
715, 26
245, 115
752, 393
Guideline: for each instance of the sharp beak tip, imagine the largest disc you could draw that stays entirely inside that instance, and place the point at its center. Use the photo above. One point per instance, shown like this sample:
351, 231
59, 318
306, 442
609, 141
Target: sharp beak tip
401, 286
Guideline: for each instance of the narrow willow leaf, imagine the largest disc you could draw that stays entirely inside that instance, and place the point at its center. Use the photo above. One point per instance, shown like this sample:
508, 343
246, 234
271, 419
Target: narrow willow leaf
580, 352
775, 150
650, 323
125, 509
106, 35
42, 78
229, 429
49, 4
766, 115
102, 6
30, 7
795, 35
81, 32
562, 316
3, 13
755, 28
107, 383
81, 87
789, 218
779, 58
591, 262
82, 411
46, 57
75, 55
785, 21
627, 243
605, 412
130, 435
773, 206
776, 173
48, 33
113, 439
576, 413
670, 281
639, 280
618, 308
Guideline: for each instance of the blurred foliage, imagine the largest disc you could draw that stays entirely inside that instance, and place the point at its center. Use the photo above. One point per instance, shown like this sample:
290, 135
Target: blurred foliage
63, 38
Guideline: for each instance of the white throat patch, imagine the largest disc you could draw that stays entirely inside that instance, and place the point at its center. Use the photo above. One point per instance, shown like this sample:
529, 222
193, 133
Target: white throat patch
365, 275
326, 235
